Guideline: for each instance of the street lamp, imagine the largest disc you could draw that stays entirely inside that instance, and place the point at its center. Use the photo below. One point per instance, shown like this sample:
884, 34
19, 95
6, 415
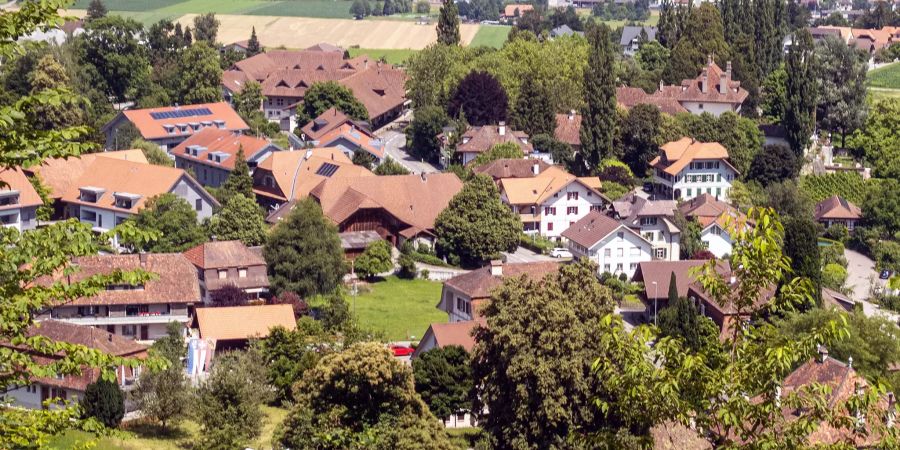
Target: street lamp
655, 300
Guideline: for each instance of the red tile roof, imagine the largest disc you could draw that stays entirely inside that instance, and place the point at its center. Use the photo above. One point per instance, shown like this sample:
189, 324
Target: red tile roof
152, 128
628, 97
706, 209
225, 141
456, 333
60, 174
593, 228
481, 139
676, 155
223, 254
660, 272
243, 322
15, 180
835, 207
296, 173
327, 121
360, 138
478, 284
568, 128
720, 88
513, 168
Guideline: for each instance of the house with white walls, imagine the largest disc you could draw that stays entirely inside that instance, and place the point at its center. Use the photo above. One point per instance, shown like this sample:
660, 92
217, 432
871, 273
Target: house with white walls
19, 200
169, 126
477, 140
687, 168
614, 246
715, 218
654, 220
549, 199
211, 154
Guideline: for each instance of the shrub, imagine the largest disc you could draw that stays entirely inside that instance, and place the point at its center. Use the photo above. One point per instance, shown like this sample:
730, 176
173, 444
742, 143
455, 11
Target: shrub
104, 401
837, 233
407, 267
537, 243
425, 274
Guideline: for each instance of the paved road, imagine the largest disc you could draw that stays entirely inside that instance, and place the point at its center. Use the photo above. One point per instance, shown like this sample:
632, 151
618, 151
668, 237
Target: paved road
860, 273
395, 146
522, 255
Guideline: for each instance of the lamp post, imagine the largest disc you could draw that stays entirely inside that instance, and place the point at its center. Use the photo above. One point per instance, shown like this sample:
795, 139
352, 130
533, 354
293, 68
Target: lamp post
655, 300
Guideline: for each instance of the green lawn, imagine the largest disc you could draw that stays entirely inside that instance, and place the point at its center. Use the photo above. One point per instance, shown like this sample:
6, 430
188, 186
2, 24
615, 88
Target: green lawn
887, 77
150, 11
392, 56
490, 36
325, 9
399, 308
149, 438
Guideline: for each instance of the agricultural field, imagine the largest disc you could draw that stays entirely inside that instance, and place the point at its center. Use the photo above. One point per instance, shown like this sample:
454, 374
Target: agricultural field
392, 56
884, 82
491, 36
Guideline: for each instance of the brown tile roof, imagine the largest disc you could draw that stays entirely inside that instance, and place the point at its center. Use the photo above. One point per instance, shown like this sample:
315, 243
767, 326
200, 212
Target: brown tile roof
512, 168
60, 174
243, 322
632, 207
628, 97
175, 279
536, 190
360, 138
568, 128
510, 10
325, 47
327, 121
667, 97
120, 176
661, 272
15, 180
296, 174
478, 284
151, 128
676, 155
224, 141
223, 254
762, 297
95, 338
593, 228
706, 209
415, 200
380, 88
481, 139
835, 207
456, 333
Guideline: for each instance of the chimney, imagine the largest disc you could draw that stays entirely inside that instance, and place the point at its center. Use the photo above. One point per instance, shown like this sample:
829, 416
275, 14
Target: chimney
704, 81
660, 85
849, 362
308, 153
142, 257
728, 69
823, 353
496, 268
571, 114
723, 83
213, 238
502, 128
536, 169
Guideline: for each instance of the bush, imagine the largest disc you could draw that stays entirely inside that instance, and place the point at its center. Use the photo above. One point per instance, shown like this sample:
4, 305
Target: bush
537, 243
407, 267
837, 233
427, 258
425, 274
376, 259
423, 7
104, 401
834, 276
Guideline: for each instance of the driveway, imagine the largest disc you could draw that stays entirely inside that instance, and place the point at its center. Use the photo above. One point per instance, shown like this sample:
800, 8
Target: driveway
522, 255
395, 147
860, 274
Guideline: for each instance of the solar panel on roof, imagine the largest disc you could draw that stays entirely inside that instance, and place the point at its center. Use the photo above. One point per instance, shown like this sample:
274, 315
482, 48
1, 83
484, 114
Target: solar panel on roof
180, 113
327, 170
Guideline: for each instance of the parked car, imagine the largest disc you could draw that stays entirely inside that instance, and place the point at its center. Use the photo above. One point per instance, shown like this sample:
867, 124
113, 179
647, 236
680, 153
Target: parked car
886, 274
560, 252
401, 350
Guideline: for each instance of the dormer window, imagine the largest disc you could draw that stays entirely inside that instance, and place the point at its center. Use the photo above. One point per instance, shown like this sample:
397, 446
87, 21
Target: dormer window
219, 123
126, 200
206, 123
380, 92
170, 129
182, 127
195, 125
217, 157
10, 197
90, 194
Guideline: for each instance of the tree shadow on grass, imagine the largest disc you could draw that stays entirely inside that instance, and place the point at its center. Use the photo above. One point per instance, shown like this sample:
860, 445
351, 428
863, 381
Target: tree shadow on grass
146, 429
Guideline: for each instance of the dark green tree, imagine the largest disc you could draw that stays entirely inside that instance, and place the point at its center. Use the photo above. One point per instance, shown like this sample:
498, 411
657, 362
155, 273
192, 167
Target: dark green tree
879, 140
239, 219
774, 96
390, 167
363, 158
48, 74
104, 401
702, 37
506, 150
200, 75
639, 137
481, 98
174, 219
323, 95
448, 24
773, 164
800, 92
444, 379
206, 27
561, 152
881, 207
533, 371
253, 47
668, 29
374, 260
682, 320
598, 117
358, 9
422, 133
802, 247
96, 10
304, 253
289, 354
112, 57
476, 225
841, 77
238, 181
533, 112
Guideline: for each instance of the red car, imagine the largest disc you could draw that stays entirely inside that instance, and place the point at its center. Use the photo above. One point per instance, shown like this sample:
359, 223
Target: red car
401, 350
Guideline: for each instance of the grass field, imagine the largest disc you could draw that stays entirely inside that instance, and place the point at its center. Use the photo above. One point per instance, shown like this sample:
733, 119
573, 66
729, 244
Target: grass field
399, 308
884, 82
491, 36
392, 56
149, 438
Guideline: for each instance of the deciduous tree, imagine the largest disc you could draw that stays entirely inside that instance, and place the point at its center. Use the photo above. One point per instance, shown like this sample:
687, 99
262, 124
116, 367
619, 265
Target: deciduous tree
200, 74
422, 134
206, 27
289, 354
327, 94
50, 74
640, 137
774, 163
375, 259
841, 77
390, 167
111, 55
96, 10
443, 379
153, 153
163, 395
801, 92
879, 139
481, 98
533, 112
239, 219
506, 150
173, 219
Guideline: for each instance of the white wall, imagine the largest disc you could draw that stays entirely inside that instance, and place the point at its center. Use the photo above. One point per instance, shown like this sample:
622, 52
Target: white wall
662, 238
451, 306
562, 219
31, 397
716, 109
719, 186
103, 218
633, 251
19, 218
190, 192
717, 240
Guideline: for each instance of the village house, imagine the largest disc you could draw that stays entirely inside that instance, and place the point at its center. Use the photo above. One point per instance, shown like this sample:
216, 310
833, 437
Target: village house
687, 168
229, 263
19, 200
615, 247
211, 154
715, 218
726, 316
714, 91
334, 129
171, 125
285, 75
656, 277
112, 190
477, 140
232, 327
463, 295
868, 40
835, 210
503, 168
631, 38
289, 176
139, 312
653, 219
512, 12
550, 201
568, 129
72, 387
398, 207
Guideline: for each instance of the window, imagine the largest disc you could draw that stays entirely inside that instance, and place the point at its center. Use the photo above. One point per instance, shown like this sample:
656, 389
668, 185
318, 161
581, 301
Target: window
632, 267
129, 330
716, 231
550, 210
549, 226
620, 235
701, 106
223, 274
279, 102
710, 164
198, 204
719, 177
709, 190
9, 218
619, 267
571, 196
242, 272
606, 268
460, 416
620, 252
718, 192
635, 251
661, 253
648, 221
572, 210
648, 235
607, 252
689, 192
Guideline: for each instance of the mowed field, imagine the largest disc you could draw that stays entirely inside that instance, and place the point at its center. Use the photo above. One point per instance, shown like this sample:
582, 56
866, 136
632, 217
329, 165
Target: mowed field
302, 32
884, 82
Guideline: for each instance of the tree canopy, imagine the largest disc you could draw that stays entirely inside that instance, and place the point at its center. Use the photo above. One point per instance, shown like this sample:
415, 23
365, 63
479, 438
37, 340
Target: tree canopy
448, 24
480, 98
241, 219
327, 94
598, 116
174, 219
443, 379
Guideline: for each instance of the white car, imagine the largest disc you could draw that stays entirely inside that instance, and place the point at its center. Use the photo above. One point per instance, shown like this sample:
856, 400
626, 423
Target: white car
560, 252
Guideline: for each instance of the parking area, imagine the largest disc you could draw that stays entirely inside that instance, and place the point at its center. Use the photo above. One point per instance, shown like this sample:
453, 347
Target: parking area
523, 255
